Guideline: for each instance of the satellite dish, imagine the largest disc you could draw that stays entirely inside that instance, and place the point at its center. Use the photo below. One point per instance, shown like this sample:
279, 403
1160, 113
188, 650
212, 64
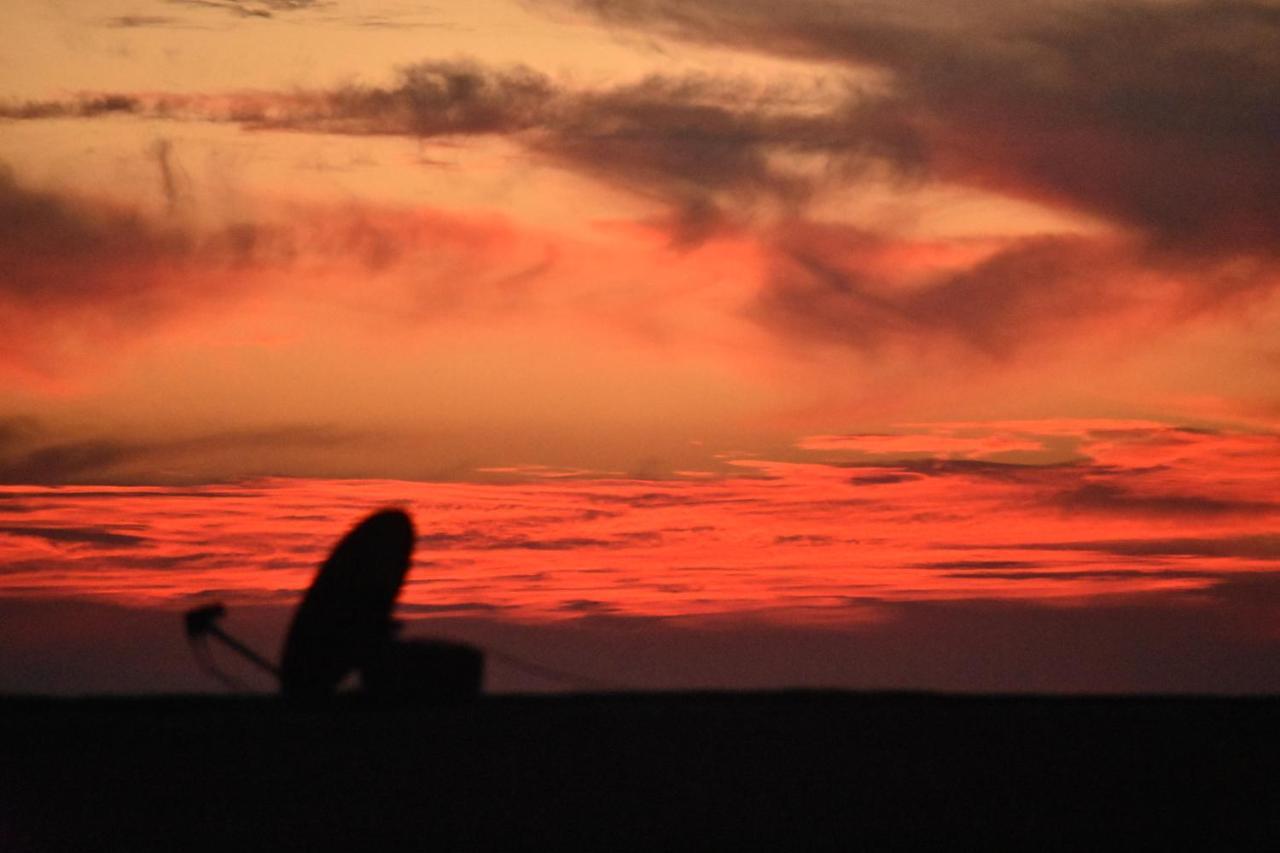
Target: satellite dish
344, 625
345, 618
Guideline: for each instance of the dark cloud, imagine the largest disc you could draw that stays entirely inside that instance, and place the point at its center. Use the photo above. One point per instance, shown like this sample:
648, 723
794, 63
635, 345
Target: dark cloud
76, 535
67, 493
1253, 547
1009, 472
1156, 117
163, 562
485, 542
1027, 290
51, 248
242, 10
135, 21
459, 607
173, 180
1109, 498
429, 99
585, 605
979, 565
71, 267
881, 479
804, 539
82, 106
78, 276
707, 147
322, 11
711, 149
658, 500
1078, 487
16, 429
252, 8
1158, 114
404, 21
1086, 574
38, 460
64, 462
476, 540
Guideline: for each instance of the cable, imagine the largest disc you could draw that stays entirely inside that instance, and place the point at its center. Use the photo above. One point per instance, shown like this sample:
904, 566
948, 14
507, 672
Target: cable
200, 629
204, 658
563, 676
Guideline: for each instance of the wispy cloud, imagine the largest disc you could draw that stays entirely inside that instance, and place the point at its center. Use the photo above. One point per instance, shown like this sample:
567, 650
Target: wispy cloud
1101, 105
78, 269
1173, 169
101, 536
1152, 133
43, 458
81, 106
711, 148
72, 261
479, 541
1111, 497
1142, 115
1264, 546
139, 21
252, 8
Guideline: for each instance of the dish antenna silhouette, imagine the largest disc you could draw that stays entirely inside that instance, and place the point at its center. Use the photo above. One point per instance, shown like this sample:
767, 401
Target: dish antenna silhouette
344, 626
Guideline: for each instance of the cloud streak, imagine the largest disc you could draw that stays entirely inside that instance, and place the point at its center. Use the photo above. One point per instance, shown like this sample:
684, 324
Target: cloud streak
77, 271
1100, 106
1109, 497
1157, 119
1252, 547
42, 458
710, 148
1153, 120
251, 8
75, 535
69, 264
1165, 173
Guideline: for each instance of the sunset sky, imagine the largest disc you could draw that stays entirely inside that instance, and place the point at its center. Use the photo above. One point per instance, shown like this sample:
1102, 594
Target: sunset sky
711, 343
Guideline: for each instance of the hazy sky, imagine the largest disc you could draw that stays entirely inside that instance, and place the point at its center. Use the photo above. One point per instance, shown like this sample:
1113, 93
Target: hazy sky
905, 280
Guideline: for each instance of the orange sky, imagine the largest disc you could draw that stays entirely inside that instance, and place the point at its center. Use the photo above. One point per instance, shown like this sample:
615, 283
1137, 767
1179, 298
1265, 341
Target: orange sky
792, 315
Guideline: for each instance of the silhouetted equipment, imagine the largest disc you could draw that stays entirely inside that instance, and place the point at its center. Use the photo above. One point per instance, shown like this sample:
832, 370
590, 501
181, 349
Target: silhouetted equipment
424, 669
345, 617
202, 623
344, 625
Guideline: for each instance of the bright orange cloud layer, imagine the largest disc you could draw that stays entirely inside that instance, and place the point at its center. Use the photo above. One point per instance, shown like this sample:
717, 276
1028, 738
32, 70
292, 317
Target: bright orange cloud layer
1142, 510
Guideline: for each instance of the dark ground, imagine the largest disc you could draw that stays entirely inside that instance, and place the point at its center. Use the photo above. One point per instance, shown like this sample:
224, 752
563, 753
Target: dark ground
642, 771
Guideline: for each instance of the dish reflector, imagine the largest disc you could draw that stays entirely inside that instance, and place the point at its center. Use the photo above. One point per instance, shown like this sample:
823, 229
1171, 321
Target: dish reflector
345, 617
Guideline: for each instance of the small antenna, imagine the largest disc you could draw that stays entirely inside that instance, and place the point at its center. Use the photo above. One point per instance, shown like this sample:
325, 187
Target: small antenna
202, 623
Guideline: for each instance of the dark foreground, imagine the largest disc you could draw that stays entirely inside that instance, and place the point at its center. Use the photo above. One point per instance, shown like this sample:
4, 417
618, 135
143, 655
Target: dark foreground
639, 772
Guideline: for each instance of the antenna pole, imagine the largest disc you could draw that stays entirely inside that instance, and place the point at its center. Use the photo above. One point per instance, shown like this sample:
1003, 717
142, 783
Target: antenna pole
245, 652
203, 621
